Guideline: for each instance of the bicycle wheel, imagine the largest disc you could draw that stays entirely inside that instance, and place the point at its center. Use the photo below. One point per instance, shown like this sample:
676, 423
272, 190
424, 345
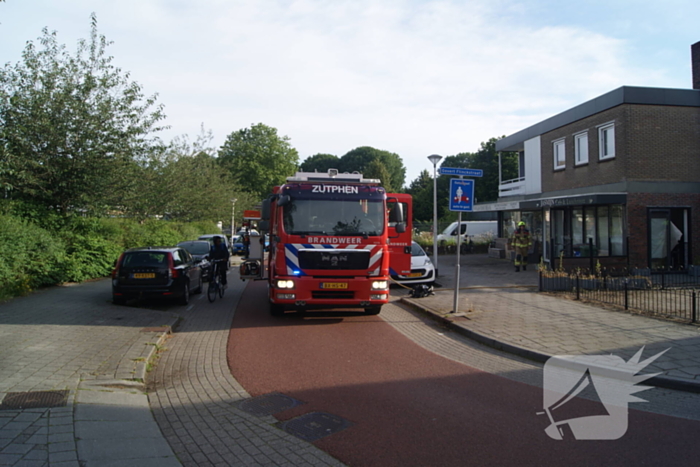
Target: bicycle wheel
212, 289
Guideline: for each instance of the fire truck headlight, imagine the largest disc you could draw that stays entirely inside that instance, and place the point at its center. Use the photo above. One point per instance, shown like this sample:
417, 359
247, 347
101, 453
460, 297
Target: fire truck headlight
285, 284
380, 285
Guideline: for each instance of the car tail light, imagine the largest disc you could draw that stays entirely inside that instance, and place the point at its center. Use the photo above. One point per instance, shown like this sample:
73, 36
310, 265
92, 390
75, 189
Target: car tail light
115, 271
172, 272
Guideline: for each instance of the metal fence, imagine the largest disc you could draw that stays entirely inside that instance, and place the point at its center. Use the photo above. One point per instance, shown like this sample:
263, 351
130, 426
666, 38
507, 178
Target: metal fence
664, 294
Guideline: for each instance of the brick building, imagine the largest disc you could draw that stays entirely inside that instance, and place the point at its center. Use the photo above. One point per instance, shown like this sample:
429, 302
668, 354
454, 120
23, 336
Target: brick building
614, 180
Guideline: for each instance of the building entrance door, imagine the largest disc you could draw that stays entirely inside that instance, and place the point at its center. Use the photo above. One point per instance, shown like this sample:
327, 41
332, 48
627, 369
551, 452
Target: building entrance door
668, 238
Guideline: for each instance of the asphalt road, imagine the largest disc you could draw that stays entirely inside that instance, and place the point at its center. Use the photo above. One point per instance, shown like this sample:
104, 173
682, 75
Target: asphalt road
409, 406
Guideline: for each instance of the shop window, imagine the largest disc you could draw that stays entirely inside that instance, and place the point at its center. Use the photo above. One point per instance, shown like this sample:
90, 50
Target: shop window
560, 233
577, 225
617, 245
574, 229
590, 229
603, 231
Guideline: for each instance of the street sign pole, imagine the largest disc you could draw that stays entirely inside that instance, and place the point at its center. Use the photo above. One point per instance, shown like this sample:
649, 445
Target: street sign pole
461, 200
455, 303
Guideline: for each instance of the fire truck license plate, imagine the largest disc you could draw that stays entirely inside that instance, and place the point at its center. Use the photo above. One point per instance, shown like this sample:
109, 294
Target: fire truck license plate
334, 285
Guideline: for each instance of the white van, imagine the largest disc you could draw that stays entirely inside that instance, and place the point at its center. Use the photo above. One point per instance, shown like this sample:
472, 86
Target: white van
469, 230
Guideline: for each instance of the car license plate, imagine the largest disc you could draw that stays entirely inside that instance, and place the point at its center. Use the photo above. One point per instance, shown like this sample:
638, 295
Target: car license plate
334, 285
144, 275
415, 274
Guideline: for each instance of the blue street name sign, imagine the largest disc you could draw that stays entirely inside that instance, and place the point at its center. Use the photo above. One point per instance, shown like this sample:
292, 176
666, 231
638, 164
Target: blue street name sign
461, 195
462, 172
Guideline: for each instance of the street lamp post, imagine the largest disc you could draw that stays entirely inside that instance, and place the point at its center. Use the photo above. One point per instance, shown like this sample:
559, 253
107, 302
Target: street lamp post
233, 216
435, 158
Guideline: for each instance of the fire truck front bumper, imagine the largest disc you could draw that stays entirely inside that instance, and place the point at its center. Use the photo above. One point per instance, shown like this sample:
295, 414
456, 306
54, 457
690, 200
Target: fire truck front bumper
345, 293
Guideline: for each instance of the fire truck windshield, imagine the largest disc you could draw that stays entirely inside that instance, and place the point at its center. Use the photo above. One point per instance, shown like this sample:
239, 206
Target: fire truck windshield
334, 217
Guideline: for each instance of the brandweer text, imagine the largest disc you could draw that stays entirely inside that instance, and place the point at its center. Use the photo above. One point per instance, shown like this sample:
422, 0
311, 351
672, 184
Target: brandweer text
339, 240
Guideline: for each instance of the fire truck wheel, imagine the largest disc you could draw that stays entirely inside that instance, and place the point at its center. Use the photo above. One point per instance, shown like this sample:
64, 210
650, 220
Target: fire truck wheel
373, 310
276, 309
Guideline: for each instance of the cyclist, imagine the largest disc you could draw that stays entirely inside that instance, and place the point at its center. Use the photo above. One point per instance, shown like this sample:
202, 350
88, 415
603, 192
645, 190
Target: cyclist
218, 251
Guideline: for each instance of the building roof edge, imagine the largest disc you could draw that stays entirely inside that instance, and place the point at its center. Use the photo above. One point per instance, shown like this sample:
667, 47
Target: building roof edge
619, 96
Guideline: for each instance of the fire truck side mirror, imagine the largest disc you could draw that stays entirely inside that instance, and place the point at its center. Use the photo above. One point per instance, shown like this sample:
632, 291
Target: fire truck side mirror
397, 214
264, 225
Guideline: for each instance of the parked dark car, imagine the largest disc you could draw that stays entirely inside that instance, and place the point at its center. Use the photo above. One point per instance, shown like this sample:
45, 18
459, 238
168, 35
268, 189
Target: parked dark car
237, 246
155, 272
199, 249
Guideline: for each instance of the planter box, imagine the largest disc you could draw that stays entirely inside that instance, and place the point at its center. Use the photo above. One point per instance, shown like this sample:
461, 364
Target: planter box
615, 283
638, 283
553, 284
588, 283
633, 283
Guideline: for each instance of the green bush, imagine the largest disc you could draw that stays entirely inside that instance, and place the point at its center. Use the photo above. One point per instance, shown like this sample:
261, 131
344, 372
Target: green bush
29, 257
76, 249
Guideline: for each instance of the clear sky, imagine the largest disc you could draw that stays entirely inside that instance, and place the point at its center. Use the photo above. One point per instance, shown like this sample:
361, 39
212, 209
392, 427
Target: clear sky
414, 77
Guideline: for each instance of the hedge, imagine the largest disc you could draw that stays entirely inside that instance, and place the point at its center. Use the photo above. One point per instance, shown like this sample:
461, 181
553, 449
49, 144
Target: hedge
82, 248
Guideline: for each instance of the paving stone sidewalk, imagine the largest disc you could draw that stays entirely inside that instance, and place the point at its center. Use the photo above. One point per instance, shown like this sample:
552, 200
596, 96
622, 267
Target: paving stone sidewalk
72, 341
195, 398
502, 308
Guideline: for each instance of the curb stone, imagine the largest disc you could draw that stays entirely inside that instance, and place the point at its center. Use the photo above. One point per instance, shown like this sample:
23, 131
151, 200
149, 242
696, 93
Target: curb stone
142, 366
449, 322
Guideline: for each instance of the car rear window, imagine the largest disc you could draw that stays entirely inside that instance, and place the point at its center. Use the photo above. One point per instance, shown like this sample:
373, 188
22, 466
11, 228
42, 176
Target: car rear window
196, 248
145, 258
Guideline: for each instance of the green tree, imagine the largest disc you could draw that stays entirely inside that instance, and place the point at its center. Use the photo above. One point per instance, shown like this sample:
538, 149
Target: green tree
259, 158
183, 182
70, 126
375, 169
358, 159
486, 159
421, 190
320, 163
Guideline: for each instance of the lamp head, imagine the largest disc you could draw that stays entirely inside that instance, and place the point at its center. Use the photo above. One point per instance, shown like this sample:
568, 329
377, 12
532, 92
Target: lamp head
435, 158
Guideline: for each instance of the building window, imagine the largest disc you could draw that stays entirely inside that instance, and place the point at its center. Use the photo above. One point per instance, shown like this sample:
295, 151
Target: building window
617, 222
559, 154
574, 229
581, 149
521, 164
606, 141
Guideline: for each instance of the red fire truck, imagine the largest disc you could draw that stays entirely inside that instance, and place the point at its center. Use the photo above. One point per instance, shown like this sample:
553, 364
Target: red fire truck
332, 237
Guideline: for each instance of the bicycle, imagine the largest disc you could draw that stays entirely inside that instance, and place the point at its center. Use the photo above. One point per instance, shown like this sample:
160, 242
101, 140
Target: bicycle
215, 286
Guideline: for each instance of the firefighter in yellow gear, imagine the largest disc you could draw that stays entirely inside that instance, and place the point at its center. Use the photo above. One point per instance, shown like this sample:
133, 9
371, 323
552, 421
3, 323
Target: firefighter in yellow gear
521, 242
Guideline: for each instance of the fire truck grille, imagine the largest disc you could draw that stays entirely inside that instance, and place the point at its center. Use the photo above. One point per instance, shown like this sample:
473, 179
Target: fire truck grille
334, 259
327, 294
